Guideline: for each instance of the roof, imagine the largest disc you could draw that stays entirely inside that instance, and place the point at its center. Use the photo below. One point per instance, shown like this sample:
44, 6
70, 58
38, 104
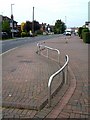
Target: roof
7, 18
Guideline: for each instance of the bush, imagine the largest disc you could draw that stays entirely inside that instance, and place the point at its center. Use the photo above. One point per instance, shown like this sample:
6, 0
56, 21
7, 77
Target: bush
83, 31
23, 34
80, 32
39, 32
86, 37
18, 34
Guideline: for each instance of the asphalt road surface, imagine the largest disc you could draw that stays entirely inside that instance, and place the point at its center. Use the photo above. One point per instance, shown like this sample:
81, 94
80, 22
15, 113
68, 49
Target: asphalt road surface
10, 44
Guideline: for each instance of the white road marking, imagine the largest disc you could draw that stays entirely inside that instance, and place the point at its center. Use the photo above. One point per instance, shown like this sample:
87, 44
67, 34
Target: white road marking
8, 51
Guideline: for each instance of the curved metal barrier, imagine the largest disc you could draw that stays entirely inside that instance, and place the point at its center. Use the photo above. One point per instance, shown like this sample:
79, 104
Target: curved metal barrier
40, 47
63, 69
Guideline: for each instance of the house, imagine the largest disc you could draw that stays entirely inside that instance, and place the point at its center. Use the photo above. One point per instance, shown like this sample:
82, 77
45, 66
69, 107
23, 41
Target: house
74, 29
87, 24
13, 24
46, 29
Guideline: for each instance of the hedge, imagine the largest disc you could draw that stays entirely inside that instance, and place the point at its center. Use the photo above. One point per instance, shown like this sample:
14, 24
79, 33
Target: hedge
80, 32
83, 31
86, 37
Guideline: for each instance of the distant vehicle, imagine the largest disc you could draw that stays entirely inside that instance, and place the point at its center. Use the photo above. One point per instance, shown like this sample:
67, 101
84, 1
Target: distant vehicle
76, 32
68, 32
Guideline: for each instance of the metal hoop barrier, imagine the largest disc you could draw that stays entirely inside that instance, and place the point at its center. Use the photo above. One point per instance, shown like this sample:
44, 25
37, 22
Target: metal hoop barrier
63, 69
41, 47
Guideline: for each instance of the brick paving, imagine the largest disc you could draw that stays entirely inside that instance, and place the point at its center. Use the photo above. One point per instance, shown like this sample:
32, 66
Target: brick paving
25, 78
22, 69
78, 53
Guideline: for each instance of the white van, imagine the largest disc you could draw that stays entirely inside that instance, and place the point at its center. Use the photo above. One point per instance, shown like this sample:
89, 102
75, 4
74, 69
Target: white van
68, 32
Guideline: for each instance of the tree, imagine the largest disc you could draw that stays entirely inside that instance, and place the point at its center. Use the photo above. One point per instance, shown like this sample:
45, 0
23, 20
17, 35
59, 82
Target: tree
59, 27
28, 26
6, 26
23, 26
36, 26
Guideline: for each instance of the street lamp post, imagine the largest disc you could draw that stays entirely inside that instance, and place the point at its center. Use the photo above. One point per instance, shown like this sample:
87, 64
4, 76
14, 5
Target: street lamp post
12, 20
66, 20
33, 22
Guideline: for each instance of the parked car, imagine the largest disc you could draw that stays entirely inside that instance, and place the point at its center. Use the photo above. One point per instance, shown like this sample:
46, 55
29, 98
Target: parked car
4, 35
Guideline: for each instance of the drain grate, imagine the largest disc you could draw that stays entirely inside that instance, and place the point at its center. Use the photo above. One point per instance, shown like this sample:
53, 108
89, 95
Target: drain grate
25, 61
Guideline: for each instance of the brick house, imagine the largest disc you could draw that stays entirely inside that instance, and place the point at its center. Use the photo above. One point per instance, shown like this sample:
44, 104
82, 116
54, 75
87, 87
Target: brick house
15, 30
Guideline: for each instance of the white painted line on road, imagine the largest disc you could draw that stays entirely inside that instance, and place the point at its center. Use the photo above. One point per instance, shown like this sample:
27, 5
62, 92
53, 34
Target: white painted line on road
8, 51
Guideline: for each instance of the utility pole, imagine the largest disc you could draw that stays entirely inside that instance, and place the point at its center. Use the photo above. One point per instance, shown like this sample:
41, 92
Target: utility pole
33, 22
89, 11
1, 18
12, 19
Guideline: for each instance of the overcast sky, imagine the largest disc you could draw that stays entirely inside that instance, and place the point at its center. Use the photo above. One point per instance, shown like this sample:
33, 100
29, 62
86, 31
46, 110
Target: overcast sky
72, 12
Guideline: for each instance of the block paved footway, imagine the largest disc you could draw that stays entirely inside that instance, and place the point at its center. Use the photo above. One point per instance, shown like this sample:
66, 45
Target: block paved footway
25, 77
77, 106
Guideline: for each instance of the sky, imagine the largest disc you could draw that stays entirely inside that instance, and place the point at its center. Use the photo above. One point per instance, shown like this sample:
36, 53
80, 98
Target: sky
73, 12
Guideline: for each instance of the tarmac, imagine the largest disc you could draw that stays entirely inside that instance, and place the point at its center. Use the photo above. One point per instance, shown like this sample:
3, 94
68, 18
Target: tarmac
25, 76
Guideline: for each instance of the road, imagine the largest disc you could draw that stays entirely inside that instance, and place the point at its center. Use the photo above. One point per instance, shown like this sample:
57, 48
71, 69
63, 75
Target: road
10, 44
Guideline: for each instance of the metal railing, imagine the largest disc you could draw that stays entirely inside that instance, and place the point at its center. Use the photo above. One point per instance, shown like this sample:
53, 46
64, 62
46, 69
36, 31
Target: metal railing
63, 69
41, 47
